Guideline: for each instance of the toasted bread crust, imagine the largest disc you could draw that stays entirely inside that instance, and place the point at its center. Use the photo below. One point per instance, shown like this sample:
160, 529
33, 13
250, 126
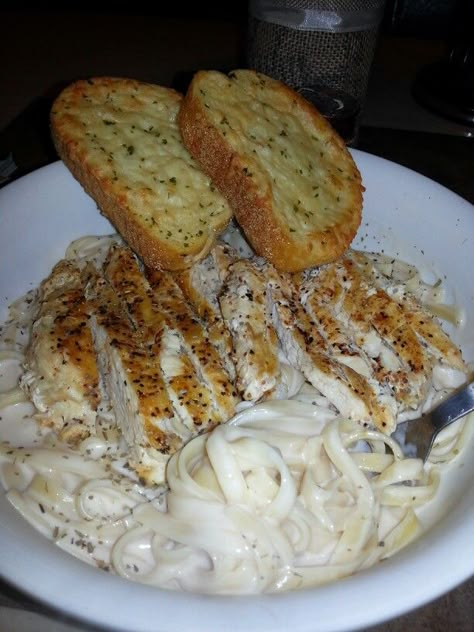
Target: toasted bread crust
233, 159
154, 253
136, 200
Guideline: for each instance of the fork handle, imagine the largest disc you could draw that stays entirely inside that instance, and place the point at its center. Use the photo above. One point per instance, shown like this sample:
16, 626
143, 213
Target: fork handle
453, 408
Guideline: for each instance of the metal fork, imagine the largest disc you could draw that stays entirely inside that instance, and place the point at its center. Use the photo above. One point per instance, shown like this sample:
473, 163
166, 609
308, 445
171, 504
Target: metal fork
422, 432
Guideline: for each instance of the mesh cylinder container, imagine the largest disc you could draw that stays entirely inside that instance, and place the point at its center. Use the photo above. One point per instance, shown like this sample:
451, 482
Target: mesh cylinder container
324, 48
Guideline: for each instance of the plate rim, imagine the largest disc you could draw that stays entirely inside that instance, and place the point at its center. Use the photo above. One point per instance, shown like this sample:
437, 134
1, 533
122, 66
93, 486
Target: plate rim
263, 606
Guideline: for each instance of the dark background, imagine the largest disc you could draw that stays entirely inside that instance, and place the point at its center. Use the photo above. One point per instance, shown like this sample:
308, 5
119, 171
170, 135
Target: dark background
42, 50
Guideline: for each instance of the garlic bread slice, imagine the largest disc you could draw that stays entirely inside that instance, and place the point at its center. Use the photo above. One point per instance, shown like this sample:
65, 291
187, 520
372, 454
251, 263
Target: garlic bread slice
121, 141
292, 184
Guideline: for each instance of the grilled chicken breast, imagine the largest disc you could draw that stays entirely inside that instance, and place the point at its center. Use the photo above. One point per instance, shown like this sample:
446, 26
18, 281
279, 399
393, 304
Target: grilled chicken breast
61, 374
379, 327
134, 385
307, 350
168, 352
202, 285
208, 365
244, 305
191, 401
342, 347
423, 323
196, 377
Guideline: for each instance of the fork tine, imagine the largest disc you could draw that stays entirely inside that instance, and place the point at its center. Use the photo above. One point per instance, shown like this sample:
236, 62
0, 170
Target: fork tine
422, 432
419, 437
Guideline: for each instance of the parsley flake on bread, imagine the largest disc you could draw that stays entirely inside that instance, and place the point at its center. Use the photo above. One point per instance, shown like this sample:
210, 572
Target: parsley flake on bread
288, 176
120, 140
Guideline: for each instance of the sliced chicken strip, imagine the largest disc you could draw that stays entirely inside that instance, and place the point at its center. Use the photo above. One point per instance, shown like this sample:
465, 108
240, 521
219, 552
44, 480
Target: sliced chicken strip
243, 302
192, 399
61, 373
208, 366
306, 350
339, 341
417, 316
134, 385
223, 256
201, 285
343, 348
379, 327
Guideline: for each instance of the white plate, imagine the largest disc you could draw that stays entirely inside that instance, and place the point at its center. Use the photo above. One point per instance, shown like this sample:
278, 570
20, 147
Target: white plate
405, 214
